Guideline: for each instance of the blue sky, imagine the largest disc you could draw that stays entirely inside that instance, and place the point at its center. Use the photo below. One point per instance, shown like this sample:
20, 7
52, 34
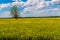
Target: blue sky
4, 1
31, 8
8, 1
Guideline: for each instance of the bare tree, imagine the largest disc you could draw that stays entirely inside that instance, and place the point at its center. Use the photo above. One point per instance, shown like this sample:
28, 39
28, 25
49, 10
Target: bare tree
14, 12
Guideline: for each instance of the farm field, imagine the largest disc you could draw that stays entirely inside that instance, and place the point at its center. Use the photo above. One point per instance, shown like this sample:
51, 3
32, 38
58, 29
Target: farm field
30, 29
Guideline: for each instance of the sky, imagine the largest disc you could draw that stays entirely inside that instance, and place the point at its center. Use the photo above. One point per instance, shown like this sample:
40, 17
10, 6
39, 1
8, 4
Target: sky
31, 8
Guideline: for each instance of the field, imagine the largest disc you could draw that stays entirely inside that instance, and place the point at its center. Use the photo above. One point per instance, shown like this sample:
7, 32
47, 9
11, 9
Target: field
30, 29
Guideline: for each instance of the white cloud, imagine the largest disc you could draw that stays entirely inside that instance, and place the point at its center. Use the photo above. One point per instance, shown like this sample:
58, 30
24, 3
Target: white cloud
22, 4
56, 2
31, 3
5, 14
33, 7
36, 13
4, 6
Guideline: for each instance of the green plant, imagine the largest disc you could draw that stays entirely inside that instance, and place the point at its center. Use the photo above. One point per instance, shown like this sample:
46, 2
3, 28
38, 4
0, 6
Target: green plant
14, 12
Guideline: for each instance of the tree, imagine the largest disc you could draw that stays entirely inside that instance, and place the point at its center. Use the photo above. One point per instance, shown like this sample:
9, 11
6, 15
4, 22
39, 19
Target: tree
14, 12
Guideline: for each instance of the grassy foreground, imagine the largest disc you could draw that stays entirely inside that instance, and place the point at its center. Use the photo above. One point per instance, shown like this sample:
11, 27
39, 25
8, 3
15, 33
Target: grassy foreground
30, 29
